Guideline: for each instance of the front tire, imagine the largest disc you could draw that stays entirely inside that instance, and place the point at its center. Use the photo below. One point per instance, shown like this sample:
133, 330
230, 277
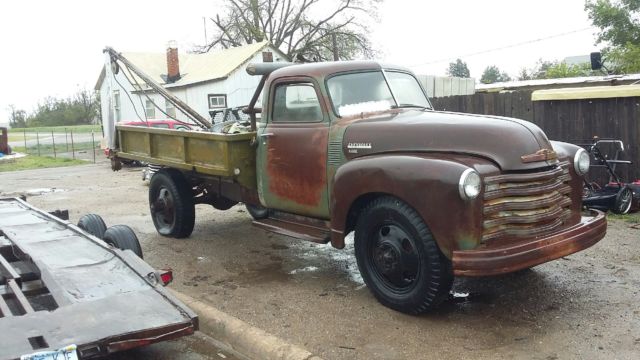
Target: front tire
399, 259
171, 204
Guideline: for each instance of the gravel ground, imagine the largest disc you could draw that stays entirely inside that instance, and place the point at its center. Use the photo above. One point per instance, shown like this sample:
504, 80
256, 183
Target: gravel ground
584, 306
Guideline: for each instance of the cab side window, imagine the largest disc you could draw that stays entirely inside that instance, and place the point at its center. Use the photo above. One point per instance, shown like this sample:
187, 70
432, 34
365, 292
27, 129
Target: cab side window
297, 102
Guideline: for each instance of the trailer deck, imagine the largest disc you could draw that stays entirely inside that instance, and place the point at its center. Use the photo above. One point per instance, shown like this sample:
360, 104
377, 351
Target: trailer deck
60, 286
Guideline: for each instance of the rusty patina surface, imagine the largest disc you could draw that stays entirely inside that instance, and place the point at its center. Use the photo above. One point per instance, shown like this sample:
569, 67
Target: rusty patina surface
330, 168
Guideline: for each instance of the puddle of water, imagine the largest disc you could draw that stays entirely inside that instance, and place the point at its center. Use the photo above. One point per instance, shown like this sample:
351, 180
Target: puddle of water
304, 269
345, 258
40, 191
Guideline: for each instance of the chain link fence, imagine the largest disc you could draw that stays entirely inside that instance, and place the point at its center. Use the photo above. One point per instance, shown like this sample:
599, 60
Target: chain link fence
64, 143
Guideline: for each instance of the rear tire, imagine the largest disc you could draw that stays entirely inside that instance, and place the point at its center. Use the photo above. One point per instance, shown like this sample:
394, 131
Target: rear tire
399, 259
171, 204
122, 237
257, 212
623, 201
93, 224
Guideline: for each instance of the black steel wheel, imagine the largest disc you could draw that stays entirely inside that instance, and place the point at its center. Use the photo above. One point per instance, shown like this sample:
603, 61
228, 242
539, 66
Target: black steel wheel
171, 204
123, 237
93, 224
399, 259
623, 201
257, 212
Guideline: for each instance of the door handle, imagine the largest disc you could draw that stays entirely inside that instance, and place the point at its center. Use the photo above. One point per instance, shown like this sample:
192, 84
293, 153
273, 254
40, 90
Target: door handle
264, 135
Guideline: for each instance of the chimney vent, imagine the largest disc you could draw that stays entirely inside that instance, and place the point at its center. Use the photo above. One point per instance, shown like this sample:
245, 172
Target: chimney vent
173, 64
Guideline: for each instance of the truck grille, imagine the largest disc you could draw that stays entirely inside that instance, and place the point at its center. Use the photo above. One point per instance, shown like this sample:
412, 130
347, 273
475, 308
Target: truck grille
526, 204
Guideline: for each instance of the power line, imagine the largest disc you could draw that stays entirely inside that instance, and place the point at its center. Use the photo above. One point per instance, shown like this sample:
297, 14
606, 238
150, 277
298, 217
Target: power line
503, 47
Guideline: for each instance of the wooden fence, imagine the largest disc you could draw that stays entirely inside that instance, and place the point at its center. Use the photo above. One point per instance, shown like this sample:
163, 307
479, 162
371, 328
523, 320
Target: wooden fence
564, 120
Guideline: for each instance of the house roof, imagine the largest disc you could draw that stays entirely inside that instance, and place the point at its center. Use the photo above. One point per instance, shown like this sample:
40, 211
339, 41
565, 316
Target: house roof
564, 82
194, 68
595, 92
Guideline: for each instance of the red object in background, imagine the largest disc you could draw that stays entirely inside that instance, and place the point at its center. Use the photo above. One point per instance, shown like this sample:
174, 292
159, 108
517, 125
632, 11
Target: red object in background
4, 141
160, 124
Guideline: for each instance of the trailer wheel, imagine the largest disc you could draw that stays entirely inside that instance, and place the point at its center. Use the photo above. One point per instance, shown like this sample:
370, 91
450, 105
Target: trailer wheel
122, 237
171, 203
257, 212
93, 224
399, 259
623, 201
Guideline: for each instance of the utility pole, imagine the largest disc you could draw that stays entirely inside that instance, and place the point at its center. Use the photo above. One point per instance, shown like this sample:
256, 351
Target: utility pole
204, 22
334, 43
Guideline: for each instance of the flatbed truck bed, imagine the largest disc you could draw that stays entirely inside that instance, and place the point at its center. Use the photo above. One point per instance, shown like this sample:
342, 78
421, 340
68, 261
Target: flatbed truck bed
61, 286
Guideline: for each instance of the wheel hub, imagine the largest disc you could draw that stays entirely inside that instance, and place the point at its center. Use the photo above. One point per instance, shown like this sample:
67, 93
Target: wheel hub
163, 207
394, 257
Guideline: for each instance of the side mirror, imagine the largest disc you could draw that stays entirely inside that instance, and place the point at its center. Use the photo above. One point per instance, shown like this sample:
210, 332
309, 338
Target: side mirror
596, 61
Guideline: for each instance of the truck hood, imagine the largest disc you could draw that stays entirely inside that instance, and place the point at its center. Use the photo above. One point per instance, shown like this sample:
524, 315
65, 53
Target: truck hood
502, 140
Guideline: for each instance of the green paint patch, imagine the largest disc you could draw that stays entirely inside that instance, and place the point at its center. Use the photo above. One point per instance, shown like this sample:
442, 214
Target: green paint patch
37, 162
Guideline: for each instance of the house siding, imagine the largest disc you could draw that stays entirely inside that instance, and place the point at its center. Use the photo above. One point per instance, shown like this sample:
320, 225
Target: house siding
238, 87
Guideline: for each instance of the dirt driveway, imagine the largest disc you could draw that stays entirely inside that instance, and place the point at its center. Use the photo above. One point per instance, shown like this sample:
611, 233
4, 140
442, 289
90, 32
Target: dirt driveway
584, 306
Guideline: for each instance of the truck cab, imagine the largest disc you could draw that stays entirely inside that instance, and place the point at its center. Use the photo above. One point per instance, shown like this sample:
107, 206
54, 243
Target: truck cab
357, 146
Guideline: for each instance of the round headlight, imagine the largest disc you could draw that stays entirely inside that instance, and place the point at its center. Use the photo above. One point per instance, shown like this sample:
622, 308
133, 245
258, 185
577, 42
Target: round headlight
470, 184
581, 162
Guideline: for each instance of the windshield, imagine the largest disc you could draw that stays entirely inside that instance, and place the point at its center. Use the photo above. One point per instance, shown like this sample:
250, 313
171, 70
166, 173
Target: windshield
356, 93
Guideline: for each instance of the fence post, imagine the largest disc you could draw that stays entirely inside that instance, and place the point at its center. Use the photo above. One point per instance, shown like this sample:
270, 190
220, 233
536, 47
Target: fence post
24, 132
73, 152
66, 139
53, 139
38, 141
93, 146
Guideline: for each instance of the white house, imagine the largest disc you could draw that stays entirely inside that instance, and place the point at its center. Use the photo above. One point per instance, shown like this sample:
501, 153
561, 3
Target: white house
206, 82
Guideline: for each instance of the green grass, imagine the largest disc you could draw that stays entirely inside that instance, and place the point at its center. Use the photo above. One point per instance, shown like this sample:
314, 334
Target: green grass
633, 218
59, 129
20, 136
60, 148
37, 162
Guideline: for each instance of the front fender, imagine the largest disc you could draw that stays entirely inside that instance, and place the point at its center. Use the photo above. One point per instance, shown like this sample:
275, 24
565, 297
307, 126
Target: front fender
427, 183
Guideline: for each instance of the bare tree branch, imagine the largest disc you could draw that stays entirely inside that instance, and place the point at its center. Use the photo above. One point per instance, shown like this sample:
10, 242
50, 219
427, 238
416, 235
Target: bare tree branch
289, 26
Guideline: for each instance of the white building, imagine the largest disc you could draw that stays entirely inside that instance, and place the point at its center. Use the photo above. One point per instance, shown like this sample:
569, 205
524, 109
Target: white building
206, 82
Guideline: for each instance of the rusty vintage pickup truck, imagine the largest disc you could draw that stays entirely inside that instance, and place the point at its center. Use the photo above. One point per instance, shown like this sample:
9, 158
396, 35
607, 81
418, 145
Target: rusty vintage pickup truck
357, 146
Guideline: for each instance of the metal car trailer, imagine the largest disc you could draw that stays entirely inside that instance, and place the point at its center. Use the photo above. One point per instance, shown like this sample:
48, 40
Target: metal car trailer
61, 286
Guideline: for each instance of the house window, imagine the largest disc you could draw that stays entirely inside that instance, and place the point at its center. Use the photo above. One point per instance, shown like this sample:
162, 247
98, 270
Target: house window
116, 105
217, 101
149, 109
169, 109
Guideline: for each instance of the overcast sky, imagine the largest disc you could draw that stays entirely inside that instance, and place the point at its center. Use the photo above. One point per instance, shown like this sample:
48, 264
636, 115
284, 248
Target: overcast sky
53, 48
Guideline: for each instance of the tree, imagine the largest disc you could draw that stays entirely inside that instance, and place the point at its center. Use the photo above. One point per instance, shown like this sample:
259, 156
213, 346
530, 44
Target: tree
458, 69
493, 75
18, 118
333, 32
524, 75
82, 108
562, 70
619, 24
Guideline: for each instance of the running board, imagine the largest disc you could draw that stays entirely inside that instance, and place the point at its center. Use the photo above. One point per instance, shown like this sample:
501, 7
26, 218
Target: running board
296, 226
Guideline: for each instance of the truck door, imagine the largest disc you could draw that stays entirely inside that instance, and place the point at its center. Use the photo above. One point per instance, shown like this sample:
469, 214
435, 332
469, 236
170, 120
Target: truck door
292, 149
